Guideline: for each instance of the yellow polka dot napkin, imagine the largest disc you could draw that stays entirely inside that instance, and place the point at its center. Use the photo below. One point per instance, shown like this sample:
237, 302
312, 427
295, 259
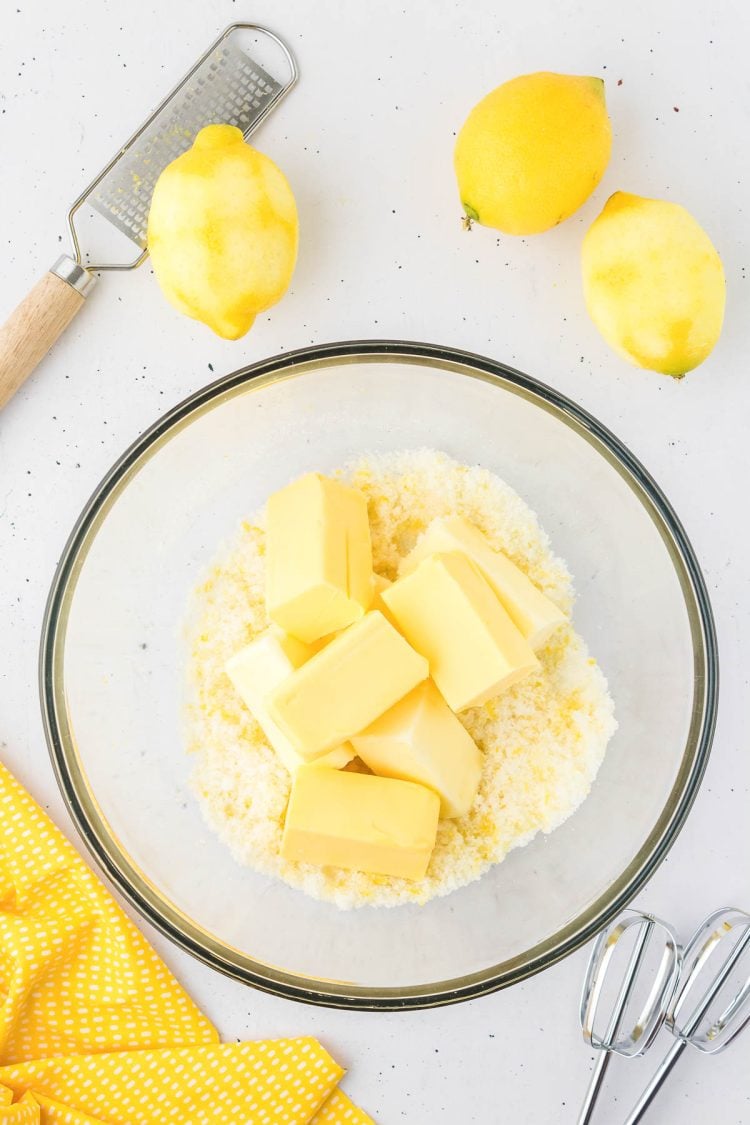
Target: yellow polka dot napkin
263, 1083
33, 1109
36, 1109
25, 1112
94, 1029
76, 976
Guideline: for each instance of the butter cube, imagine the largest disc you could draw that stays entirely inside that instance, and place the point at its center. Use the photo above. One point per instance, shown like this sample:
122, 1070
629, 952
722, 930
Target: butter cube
421, 740
360, 822
533, 613
258, 668
379, 584
318, 557
346, 686
447, 610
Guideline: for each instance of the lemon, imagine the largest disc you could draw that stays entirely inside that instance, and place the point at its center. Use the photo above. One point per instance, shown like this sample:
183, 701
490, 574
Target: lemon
653, 283
532, 151
223, 231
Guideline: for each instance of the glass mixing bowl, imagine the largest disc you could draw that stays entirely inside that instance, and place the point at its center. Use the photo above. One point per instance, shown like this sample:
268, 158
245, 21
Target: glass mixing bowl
112, 670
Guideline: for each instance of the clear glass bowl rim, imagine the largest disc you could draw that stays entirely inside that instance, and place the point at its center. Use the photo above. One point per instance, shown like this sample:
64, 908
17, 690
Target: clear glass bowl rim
92, 826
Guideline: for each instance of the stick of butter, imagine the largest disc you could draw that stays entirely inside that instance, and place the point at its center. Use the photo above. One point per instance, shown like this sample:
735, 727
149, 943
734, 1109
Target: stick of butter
346, 686
448, 612
360, 822
535, 615
421, 740
261, 666
318, 557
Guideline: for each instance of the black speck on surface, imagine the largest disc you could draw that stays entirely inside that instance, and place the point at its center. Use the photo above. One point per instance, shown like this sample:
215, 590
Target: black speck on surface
676, 108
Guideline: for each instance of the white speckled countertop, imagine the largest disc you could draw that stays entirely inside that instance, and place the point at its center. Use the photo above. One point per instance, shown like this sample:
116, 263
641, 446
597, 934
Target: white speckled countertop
366, 140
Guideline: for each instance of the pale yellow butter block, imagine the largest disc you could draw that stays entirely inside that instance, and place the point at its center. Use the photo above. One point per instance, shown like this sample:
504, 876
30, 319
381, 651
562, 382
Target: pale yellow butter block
346, 686
535, 615
360, 822
318, 557
421, 740
379, 584
448, 611
261, 666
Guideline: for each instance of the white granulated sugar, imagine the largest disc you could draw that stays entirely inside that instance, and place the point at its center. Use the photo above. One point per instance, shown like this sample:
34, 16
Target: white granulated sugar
542, 741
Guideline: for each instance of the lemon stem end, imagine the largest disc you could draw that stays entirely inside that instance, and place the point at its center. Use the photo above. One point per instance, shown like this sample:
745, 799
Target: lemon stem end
470, 217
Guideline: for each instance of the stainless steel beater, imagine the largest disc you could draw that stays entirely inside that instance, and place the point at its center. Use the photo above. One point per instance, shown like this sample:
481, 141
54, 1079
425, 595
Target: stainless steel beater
700, 993
239, 80
712, 1002
616, 1017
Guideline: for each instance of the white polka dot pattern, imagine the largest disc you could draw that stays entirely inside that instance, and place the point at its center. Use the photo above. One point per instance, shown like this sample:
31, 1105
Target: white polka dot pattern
25, 1112
272, 1082
76, 976
55, 1113
43, 1110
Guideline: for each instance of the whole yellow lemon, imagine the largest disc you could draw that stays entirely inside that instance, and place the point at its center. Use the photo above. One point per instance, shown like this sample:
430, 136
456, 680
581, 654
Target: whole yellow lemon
532, 151
223, 231
653, 283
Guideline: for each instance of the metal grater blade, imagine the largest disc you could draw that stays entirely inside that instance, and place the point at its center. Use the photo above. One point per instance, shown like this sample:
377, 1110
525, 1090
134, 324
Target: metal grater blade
228, 87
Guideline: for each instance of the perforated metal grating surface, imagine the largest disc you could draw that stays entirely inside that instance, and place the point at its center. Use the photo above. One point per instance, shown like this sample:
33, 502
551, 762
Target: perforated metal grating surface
228, 88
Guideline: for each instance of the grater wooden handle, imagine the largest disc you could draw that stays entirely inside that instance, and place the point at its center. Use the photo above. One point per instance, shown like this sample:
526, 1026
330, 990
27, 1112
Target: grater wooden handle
40, 319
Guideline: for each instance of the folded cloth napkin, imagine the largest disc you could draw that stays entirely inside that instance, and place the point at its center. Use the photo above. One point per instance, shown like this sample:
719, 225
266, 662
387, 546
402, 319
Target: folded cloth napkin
76, 976
36, 1109
265, 1082
95, 1030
